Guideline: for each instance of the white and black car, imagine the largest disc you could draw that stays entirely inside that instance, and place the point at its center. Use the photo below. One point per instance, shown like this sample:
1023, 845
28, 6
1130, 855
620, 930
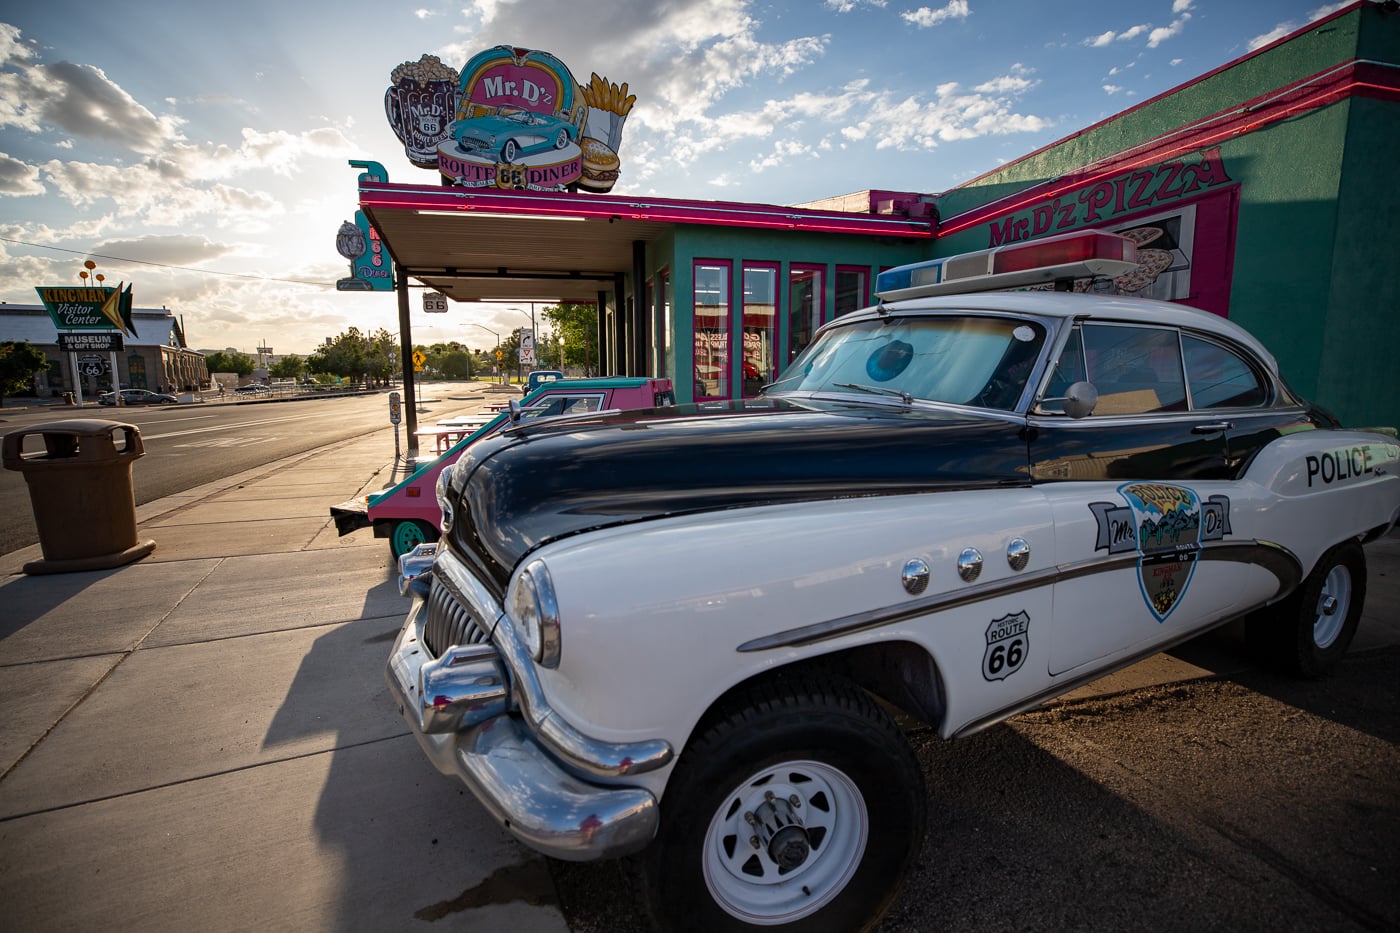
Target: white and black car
672, 634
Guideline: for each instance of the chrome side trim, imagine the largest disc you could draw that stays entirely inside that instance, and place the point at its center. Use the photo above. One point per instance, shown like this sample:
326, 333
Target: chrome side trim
1274, 558
579, 752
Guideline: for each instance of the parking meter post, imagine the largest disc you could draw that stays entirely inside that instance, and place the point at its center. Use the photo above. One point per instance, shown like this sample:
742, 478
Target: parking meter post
395, 416
81, 493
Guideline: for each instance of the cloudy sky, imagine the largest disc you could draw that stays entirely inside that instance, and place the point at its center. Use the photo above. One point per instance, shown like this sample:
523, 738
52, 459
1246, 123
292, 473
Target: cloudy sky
198, 151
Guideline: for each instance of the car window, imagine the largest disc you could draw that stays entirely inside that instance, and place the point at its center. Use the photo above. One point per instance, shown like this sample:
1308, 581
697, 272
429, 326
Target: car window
1134, 369
1219, 378
963, 359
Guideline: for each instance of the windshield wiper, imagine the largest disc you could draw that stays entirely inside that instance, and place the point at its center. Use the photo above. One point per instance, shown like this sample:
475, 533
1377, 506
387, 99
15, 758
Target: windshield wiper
904, 397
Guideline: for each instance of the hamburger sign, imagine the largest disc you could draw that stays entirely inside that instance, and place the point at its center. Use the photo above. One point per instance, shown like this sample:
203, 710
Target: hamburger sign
521, 121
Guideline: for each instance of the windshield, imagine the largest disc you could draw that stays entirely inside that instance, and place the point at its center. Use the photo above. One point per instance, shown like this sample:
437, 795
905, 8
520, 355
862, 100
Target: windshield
963, 359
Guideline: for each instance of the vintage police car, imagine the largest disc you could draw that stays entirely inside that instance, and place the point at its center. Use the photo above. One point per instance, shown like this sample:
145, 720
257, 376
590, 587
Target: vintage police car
674, 634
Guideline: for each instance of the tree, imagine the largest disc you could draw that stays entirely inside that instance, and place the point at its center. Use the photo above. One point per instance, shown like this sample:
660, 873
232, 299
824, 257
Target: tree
455, 364
240, 363
290, 366
354, 355
577, 327
18, 363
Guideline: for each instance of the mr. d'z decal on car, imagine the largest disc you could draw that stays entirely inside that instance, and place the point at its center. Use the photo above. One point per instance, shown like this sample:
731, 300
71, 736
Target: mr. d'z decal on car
1008, 641
1164, 524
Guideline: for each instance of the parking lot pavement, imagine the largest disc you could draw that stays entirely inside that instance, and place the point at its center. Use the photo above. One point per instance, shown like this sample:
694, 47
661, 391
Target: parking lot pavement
204, 739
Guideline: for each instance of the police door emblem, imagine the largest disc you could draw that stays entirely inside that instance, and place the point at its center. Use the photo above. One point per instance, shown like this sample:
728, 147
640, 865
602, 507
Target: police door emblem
1165, 525
1008, 642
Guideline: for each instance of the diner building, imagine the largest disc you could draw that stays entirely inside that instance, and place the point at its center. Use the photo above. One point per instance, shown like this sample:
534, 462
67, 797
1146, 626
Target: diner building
1263, 191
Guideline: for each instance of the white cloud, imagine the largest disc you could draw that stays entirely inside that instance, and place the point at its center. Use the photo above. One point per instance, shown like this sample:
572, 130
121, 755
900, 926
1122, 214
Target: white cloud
79, 99
1111, 88
1181, 6
1108, 38
925, 17
18, 179
846, 6
1162, 34
1288, 26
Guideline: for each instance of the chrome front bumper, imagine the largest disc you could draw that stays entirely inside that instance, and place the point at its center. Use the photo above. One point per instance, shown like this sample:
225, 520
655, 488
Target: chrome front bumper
461, 709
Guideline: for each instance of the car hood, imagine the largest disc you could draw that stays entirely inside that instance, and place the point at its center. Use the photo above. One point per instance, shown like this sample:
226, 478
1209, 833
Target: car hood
528, 486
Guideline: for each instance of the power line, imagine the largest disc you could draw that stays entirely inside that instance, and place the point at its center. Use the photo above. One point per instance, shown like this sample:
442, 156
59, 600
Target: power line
166, 265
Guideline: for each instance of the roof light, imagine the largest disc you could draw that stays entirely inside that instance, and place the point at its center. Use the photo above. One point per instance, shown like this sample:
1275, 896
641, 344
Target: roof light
1078, 255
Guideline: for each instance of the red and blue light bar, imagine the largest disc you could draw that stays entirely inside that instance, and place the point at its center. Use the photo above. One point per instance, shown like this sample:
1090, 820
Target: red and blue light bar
1079, 255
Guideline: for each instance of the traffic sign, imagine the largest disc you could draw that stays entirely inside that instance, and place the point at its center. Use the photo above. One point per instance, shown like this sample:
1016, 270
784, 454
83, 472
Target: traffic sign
434, 302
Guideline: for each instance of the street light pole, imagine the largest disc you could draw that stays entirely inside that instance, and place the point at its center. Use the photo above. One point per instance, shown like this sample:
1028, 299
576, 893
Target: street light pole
498, 343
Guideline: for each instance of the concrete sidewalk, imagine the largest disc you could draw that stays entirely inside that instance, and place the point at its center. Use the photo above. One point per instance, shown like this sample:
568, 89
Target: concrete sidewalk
203, 739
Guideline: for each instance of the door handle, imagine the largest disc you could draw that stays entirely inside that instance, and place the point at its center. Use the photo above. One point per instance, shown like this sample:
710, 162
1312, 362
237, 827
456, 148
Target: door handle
1214, 427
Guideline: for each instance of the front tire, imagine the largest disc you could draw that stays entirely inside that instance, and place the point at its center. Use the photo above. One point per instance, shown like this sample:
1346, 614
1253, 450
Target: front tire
799, 806
407, 534
1307, 633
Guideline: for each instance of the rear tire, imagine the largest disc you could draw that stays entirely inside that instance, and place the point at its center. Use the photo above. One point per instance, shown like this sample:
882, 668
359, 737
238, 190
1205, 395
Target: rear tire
407, 534
844, 821
1307, 633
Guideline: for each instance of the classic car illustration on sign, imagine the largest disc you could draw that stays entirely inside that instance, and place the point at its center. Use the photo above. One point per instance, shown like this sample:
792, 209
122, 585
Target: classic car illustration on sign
672, 635
512, 133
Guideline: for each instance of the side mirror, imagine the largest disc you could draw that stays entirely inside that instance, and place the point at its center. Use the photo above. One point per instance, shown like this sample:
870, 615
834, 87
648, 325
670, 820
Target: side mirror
515, 410
1080, 399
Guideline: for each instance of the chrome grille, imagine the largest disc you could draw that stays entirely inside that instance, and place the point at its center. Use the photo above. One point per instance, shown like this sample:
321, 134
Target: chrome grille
449, 622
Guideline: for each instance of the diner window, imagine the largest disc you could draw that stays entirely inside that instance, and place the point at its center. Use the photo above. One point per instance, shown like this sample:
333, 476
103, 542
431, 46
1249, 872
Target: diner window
851, 291
711, 329
806, 300
759, 312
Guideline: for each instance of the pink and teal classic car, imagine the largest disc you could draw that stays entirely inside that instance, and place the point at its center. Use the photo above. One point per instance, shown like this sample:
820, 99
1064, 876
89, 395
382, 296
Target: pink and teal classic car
408, 514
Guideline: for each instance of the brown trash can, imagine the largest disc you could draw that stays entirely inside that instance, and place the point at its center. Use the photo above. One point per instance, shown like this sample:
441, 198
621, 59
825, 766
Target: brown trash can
81, 494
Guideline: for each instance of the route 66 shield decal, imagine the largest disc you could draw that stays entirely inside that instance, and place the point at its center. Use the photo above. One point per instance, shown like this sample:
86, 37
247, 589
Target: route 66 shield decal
1008, 641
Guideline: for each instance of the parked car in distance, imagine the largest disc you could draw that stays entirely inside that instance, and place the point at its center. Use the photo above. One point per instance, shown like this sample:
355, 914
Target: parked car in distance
138, 397
677, 635
408, 514
253, 388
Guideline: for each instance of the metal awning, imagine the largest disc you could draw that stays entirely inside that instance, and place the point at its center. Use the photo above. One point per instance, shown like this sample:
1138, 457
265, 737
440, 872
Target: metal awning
494, 245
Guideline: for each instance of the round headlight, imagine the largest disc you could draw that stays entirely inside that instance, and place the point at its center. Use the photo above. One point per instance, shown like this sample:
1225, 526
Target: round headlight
444, 501
535, 613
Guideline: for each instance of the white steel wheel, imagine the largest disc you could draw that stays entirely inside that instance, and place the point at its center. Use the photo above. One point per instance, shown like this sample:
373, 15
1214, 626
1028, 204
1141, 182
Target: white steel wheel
1307, 632
815, 771
784, 842
1333, 606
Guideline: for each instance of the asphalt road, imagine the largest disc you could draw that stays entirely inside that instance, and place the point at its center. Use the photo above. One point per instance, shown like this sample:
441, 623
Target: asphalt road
188, 445
1242, 802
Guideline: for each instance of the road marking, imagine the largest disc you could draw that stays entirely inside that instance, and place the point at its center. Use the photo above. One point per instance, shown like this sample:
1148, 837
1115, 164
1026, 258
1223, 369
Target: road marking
229, 442
229, 427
